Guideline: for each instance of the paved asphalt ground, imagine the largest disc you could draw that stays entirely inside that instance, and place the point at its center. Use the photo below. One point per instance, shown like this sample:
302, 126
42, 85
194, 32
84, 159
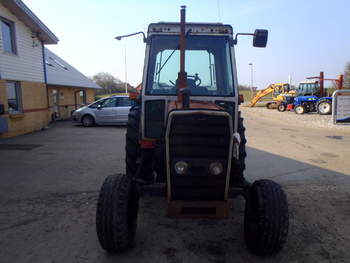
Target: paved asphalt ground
50, 182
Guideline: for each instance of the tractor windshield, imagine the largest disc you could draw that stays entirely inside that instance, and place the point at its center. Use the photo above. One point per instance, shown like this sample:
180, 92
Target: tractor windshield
208, 65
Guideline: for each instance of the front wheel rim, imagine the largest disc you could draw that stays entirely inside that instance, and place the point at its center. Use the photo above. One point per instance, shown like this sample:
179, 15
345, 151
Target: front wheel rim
324, 107
299, 110
86, 121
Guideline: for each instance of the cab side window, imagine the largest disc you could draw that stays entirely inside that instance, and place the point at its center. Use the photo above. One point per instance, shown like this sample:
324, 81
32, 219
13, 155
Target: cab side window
108, 103
95, 105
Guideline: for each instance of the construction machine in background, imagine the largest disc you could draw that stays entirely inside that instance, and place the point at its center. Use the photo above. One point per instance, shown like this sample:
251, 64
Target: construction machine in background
186, 138
278, 92
309, 96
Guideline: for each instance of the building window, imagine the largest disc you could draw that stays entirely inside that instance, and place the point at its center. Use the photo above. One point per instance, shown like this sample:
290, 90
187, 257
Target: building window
48, 63
8, 36
14, 97
59, 63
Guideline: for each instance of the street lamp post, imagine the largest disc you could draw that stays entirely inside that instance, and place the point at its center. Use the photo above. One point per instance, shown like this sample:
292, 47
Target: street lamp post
251, 78
126, 74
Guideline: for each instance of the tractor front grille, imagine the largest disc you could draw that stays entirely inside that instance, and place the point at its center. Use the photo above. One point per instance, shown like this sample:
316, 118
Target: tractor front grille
198, 139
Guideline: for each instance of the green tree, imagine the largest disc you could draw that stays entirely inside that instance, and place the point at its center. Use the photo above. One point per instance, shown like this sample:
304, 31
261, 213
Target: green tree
110, 84
106, 81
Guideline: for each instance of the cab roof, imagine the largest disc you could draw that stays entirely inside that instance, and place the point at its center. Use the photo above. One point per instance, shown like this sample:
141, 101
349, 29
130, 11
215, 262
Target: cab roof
171, 28
308, 81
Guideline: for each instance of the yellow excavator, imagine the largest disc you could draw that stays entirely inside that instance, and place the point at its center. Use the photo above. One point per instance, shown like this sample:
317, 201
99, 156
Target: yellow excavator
278, 90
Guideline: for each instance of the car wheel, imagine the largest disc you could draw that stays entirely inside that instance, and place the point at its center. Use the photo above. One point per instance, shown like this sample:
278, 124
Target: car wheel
87, 121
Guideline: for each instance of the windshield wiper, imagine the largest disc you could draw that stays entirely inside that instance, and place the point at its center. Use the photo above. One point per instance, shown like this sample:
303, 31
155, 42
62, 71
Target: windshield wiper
172, 53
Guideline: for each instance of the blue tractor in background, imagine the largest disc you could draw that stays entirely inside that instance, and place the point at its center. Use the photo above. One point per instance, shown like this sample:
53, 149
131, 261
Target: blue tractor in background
304, 104
309, 99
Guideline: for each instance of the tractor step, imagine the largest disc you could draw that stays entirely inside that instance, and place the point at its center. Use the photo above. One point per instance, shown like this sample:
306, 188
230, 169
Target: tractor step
198, 209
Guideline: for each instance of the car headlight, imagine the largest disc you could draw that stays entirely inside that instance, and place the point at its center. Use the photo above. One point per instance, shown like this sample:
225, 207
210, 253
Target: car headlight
216, 168
181, 167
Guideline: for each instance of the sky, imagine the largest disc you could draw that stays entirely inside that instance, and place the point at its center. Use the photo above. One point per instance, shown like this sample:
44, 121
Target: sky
305, 37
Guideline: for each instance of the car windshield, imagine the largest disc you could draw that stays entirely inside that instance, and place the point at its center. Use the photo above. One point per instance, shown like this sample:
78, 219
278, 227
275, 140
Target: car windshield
208, 65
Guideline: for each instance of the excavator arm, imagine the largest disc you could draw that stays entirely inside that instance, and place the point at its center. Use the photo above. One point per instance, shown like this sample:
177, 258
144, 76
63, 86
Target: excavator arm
261, 94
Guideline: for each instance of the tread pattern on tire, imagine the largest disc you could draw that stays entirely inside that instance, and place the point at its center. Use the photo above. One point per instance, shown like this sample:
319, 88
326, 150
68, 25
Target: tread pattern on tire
132, 146
238, 166
271, 216
116, 213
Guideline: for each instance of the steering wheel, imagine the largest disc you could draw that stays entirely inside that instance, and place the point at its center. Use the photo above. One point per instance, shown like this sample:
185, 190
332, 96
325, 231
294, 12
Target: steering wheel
195, 79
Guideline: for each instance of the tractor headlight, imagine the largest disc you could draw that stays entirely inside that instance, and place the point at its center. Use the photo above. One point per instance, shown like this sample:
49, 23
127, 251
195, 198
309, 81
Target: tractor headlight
216, 168
181, 167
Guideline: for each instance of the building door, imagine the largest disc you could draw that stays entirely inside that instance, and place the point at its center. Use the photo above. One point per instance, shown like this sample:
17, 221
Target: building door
55, 104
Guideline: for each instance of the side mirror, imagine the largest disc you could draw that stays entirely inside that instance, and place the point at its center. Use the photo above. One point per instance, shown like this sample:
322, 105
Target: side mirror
99, 106
260, 37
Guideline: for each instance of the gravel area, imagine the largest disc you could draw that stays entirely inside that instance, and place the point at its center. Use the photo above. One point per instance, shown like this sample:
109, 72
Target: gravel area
313, 120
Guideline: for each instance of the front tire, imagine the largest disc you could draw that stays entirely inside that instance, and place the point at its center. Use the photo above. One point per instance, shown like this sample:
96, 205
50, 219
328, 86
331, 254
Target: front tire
116, 214
281, 107
266, 219
300, 109
87, 121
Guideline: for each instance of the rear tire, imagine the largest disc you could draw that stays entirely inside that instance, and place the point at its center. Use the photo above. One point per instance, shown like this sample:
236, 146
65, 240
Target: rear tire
238, 166
300, 109
132, 148
266, 219
324, 107
116, 214
269, 105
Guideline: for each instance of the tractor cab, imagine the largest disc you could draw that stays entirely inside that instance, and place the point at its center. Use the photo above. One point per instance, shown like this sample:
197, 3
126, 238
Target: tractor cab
208, 62
210, 80
280, 88
308, 87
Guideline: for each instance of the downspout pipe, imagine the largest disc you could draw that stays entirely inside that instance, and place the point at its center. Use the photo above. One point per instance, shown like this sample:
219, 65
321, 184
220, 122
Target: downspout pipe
45, 76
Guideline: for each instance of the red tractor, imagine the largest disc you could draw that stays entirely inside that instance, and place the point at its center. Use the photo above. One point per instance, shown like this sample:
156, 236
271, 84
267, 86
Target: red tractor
186, 139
